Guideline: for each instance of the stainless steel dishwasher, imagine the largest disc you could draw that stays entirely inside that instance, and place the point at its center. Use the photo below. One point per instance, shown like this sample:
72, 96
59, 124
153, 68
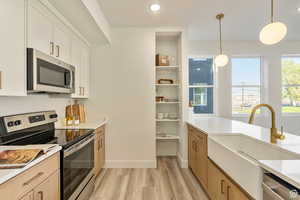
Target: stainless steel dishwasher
277, 189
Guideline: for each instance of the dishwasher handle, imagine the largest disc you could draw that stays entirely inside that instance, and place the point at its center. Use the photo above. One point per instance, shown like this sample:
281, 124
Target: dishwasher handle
269, 191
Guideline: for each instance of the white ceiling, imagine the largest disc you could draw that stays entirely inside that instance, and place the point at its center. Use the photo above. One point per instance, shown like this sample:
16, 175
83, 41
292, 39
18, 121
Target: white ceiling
243, 19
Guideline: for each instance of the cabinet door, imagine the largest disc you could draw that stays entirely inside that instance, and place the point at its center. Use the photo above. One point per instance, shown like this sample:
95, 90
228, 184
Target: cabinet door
102, 151
76, 61
201, 159
28, 196
40, 31
49, 189
217, 183
234, 192
97, 154
85, 65
62, 43
12, 52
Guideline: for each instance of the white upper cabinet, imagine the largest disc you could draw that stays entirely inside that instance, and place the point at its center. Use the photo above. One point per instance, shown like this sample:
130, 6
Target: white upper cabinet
62, 41
40, 31
76, 61
12, 51
81, 61
85, 65
47, 33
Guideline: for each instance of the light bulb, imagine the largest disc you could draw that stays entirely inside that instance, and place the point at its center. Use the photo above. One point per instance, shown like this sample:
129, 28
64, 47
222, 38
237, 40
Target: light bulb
221, 60
273, 33
154, 7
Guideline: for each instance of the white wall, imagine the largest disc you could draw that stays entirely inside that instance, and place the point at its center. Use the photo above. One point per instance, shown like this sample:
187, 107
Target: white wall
122, 88
33, 103
272, 77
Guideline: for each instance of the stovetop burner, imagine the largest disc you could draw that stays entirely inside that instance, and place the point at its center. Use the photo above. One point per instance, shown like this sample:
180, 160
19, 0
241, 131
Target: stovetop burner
68, 137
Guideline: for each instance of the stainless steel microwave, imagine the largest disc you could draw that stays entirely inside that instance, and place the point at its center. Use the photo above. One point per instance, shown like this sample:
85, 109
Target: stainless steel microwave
48, 74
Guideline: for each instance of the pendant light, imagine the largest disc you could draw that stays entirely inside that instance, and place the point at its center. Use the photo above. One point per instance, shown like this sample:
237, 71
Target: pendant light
221, 60
273, 32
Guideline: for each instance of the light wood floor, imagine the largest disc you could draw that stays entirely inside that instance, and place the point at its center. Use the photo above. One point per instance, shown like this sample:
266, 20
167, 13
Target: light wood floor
167, 182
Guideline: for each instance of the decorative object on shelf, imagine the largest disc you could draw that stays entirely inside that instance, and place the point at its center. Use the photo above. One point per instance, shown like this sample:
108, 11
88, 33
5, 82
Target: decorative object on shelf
221, 60
274, 32
172, 115
162, 60
171, 100
160, 115
166, 115
159, 98
165, 81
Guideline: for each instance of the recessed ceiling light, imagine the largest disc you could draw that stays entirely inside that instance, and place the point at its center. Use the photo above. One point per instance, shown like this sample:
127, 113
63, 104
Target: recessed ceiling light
298, 9
154, 7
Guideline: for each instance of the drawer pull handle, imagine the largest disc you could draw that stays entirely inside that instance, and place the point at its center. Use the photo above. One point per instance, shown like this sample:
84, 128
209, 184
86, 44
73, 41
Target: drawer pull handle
228, 192
41, 195
33, 178
222, 184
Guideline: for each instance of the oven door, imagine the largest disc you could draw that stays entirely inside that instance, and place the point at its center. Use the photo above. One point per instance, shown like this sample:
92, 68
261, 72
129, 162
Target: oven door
47, 74
78, 164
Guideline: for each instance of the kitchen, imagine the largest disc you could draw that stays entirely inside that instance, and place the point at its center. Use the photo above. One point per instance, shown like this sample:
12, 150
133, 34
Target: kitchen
147, 81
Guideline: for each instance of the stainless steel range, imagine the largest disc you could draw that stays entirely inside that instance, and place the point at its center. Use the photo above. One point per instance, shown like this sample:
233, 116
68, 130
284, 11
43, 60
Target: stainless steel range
77, 156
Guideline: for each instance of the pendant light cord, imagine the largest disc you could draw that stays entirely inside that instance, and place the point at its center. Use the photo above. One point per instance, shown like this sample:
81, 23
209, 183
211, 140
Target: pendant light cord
220, 27
272, 11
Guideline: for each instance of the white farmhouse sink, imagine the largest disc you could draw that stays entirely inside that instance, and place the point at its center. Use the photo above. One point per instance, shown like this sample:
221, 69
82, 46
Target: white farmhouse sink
238, 156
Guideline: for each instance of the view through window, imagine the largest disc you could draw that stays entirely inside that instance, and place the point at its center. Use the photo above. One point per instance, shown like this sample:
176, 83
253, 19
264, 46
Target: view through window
201, 85
290, 68
246, 84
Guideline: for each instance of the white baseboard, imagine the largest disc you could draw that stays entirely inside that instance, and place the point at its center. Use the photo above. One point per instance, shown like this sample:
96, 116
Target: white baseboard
130, 164
183, 163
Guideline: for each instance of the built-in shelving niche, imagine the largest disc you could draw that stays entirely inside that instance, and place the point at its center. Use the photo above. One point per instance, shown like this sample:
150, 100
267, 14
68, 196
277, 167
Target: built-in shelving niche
167, 129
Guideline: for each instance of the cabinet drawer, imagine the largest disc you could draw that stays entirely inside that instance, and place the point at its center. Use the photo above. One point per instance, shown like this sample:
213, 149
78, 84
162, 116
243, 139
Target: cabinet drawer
26, 181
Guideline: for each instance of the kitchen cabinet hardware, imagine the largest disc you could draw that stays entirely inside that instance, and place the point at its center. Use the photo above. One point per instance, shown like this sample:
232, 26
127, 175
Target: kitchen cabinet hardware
41, 194
51, 48
228, 192
57, 50
222, 186
0, 79
33, 178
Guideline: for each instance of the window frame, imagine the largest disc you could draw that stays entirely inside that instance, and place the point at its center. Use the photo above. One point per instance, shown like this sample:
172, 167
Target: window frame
282, 86
248, 86
214, 86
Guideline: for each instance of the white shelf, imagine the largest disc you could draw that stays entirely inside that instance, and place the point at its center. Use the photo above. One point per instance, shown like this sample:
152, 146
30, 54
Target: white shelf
174, 85
167, 137
168, 102
167, 120
166, 67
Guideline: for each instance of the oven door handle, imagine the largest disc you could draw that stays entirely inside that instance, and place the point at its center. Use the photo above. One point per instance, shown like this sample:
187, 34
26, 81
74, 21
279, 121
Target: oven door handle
271, 193
78, 146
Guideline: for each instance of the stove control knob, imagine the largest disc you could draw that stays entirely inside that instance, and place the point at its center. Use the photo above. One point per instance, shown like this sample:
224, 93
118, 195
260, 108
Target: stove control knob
10, 124
18, 122
53, 116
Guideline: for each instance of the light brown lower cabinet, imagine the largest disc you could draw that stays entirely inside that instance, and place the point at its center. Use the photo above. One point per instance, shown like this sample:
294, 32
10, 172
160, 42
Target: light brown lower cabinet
40, 182
99, 150
198, 155
216, 183
220, 187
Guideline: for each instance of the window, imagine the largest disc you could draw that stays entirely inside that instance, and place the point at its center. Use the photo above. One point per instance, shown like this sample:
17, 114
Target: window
201, 85
246, 84
290, 70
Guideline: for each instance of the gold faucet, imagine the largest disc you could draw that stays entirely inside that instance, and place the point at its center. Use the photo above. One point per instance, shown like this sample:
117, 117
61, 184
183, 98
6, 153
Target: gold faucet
274, 134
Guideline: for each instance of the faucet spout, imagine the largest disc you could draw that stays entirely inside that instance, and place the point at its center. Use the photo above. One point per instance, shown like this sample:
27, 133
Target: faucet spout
274, 134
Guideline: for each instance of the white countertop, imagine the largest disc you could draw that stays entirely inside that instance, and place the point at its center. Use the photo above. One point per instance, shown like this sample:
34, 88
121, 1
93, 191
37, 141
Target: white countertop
288, 170
218, 125
6, 174
87, 125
